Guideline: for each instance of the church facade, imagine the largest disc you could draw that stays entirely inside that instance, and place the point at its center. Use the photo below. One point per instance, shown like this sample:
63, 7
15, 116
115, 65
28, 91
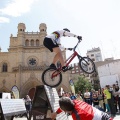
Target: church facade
26, 59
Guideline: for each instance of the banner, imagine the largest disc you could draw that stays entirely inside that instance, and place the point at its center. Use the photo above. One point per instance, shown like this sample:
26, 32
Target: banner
72, 86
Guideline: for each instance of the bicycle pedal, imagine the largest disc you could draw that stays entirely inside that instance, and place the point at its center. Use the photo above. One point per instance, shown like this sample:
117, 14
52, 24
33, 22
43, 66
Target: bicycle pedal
66, 69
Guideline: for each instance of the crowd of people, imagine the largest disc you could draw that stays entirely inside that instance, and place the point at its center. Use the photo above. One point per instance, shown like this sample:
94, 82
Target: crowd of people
102, 104
106, 99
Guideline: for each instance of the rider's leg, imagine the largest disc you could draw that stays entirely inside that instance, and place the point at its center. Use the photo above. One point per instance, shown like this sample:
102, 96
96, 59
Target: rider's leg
58, 56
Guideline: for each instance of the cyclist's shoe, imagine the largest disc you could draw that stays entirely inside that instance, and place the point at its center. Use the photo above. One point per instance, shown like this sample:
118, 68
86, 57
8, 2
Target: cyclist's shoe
53, 66
66, 68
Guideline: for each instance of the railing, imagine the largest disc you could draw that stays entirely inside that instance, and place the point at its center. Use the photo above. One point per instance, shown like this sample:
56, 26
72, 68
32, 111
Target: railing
32, 32
42, 67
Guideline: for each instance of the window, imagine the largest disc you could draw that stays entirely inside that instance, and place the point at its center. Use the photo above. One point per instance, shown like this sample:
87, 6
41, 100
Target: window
32, 42
93, 59
98, 57
92, 55
37, 42
32, 62
73, 71
76, 68
42, 30
4, 67
27, 43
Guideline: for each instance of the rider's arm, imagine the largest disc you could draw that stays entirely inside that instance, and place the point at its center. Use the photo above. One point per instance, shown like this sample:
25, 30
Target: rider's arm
54, 115
70, 34
62, 33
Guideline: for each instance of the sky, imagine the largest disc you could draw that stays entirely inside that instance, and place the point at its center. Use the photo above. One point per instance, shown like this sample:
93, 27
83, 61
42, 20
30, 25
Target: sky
97, 21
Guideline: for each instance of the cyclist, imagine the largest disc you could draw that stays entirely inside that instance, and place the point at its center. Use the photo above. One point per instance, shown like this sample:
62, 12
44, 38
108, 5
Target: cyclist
52, 42
80, 110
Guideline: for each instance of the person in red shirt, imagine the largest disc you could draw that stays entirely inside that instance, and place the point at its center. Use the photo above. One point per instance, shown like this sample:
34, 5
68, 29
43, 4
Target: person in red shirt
79, 110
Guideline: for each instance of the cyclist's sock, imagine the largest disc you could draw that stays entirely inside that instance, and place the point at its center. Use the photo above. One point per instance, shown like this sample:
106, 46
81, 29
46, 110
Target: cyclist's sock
52, 66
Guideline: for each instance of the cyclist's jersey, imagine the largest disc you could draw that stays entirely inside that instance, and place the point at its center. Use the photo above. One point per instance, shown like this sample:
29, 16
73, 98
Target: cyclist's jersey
84, 111
56, 35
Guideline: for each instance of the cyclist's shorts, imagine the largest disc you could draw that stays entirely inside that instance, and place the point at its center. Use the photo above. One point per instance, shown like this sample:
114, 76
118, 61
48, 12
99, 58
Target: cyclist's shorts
48, 43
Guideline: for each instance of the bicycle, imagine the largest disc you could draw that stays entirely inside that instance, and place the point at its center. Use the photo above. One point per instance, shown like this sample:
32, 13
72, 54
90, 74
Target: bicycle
53, 77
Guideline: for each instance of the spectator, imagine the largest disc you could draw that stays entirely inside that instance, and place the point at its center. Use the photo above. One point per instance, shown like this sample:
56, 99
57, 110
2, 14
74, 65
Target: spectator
115, 96
100, 99
28, 104
91, 94
102, 90
118, 93
79, 97
87, 97
72, 97
80, 93
108, 92
95, 100
106, 105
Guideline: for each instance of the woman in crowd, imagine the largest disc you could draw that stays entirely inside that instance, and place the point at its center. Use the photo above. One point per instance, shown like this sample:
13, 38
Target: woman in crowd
28, 103
87, 97
100, 99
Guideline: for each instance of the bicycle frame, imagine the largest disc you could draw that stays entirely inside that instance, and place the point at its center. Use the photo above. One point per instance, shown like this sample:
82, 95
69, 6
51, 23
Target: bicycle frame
68, 61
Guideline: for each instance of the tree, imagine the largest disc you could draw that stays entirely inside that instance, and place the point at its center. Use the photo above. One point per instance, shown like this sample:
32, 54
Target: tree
82, 84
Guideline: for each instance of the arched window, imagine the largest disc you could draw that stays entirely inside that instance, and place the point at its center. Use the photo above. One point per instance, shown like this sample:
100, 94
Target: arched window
27, 43
42, 29
32, 42
37, 42
4, 67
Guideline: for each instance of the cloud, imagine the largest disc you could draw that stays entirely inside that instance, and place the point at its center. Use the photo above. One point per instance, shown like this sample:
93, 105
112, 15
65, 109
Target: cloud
4, 20
17, 7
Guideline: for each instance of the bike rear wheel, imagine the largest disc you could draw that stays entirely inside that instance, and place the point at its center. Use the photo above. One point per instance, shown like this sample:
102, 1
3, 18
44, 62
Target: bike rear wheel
87, 65
48, 80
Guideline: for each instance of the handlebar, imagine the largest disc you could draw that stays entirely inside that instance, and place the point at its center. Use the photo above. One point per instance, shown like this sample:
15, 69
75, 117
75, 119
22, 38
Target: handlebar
79, 38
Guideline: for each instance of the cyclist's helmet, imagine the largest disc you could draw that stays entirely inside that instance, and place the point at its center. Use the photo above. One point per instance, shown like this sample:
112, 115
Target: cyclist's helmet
66, 29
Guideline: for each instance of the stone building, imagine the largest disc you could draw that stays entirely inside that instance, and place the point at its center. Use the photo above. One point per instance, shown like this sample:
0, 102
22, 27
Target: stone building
25, 61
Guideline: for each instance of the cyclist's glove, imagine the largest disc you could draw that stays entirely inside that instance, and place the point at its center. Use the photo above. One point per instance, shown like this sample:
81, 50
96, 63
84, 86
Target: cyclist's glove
79, 37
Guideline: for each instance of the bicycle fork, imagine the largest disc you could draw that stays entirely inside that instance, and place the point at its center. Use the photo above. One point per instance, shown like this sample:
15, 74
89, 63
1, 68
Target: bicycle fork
81, 58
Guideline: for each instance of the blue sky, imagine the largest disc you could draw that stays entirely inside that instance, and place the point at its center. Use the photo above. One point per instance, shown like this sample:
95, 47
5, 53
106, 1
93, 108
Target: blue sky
97, 21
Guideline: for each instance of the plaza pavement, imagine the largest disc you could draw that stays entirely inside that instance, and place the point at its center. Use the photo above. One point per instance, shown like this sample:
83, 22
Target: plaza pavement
70, 118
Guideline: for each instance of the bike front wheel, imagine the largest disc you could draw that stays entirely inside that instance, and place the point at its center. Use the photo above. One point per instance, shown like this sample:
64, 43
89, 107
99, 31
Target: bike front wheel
51, 77
87, 65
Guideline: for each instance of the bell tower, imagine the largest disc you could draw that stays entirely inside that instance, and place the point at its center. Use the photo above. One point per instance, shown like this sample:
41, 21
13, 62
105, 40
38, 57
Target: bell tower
43, 32
21, 34
42, 28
